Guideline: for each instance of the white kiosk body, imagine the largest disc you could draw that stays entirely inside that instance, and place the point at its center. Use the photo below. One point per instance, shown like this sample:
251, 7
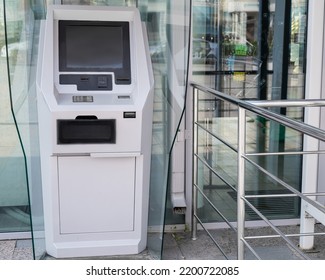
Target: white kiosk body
95, 103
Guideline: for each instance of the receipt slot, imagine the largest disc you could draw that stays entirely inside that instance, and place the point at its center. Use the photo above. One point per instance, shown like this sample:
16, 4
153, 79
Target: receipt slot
95, 103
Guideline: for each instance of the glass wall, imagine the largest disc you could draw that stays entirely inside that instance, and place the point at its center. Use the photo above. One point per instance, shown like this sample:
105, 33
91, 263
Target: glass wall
168, 25
14, 203
250, 50
21, 183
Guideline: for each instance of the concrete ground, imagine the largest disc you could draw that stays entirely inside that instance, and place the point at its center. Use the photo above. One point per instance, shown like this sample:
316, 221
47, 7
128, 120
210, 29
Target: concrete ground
16, 249
180, 246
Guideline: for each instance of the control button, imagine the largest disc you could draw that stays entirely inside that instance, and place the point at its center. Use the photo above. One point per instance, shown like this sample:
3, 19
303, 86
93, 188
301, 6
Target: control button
102, 82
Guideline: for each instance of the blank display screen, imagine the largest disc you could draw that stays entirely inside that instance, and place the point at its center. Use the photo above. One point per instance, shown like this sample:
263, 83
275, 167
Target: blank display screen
95, 46
101, 48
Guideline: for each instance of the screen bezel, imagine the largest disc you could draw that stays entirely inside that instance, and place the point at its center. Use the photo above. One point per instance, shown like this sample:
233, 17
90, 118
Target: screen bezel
122, 75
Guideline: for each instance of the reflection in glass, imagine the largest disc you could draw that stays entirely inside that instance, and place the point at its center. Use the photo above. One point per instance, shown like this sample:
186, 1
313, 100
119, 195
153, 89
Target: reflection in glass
240, 49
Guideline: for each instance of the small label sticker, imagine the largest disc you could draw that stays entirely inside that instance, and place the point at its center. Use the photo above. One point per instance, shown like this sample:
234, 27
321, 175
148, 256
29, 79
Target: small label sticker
81, 98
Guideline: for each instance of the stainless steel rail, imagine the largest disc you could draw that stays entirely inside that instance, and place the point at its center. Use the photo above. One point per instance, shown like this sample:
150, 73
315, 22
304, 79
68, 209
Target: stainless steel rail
258, 108
254, 108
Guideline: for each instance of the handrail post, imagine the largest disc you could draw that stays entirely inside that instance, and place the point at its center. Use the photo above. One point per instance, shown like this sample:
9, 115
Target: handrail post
195, 164
241, 183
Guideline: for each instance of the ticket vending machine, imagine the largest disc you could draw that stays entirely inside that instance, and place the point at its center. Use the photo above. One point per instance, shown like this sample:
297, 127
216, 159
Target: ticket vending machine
95, 103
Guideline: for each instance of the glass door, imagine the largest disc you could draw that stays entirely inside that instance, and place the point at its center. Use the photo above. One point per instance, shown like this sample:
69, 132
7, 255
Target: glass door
252, 50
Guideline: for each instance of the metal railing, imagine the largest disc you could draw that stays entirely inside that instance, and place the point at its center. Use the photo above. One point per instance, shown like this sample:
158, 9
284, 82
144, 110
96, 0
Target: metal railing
243, 157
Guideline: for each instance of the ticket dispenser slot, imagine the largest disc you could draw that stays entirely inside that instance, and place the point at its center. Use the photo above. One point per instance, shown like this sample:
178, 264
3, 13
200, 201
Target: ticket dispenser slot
86, 130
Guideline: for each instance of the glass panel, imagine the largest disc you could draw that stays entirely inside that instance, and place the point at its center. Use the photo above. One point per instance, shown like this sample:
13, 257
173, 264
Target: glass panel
168, 31
22, 19
13, 188
240, 49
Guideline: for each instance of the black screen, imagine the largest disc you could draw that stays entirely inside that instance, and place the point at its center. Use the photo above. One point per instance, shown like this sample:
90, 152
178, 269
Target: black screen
95, 46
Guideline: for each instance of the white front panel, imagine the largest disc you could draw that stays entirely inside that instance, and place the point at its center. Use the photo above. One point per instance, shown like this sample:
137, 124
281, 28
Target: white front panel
96, 194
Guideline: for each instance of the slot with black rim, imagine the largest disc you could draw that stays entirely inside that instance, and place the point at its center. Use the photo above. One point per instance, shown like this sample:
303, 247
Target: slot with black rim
129, 115
86, 130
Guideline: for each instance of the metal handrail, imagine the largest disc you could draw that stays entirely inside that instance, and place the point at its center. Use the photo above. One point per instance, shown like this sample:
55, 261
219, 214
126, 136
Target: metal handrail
256, 107
253, 107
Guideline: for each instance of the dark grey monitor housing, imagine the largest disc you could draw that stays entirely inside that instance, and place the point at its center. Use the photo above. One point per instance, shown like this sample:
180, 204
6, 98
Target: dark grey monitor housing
94, 46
